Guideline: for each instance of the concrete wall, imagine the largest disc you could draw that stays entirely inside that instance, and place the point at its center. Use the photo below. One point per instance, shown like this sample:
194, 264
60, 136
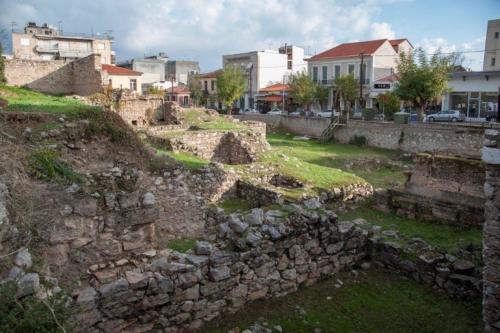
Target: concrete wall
451, 139
81, 76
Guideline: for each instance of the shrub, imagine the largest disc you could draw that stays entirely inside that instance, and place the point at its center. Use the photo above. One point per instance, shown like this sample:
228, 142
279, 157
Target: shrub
45, 164
29, 314
358, 140
368, 114
155, 91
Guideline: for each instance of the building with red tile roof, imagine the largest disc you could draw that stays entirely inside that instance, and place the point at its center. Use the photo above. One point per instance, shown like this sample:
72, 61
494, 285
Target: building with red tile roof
122, 78
180, 94
368, 61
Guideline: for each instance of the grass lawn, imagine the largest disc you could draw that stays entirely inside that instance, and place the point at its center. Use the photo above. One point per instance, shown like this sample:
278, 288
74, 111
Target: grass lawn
444, 236
198, 118
25, 100
377, 302
336, 155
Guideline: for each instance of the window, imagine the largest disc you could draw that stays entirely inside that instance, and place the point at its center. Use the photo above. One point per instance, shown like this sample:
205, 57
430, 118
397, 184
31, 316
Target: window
186, 100
493, 60
289, 64
315, 74
174, 98
100, 46
337, 71
133, 84
25, 42
496, 35
324, 74
205, 83
362, 74
350, 69
212, 85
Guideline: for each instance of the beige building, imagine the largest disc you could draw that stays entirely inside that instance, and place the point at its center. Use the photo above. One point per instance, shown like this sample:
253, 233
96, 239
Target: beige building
492, 47
46, 43
369, 62
121, 78
208, 84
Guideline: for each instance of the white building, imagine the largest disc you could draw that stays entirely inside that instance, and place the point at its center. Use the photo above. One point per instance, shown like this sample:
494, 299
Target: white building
263, 68
492, 47
473, 93
368, 61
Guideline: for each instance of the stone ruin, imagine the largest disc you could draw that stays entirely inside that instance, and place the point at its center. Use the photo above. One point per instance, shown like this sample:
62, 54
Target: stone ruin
441, 188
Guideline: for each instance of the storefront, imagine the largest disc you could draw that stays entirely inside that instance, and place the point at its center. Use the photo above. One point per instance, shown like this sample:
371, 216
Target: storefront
475, 94
274, 96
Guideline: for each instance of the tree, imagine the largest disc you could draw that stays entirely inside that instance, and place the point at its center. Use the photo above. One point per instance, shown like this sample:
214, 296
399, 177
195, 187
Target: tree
231, 85
302, 89
423, 80
321, 94
196, 91
389, 103
346, 88
2, 60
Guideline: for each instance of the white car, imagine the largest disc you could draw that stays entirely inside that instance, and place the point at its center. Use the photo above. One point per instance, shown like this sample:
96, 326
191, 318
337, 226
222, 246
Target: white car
275, 111
327, 114
296, 113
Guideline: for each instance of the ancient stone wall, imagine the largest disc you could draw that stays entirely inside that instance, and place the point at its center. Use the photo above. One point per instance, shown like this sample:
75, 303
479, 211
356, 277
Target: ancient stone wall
491, 232
272, 255
234, 147
447, 189
81, 76
141, 111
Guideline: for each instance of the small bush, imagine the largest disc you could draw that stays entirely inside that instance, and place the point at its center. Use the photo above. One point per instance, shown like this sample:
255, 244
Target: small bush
368, 114
45, 164
358, 140
155, 91
29, 315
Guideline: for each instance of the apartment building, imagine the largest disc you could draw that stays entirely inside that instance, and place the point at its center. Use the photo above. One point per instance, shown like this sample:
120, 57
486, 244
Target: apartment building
153, 68
181, 70
368, 61
492, 46
47, 43
263, 68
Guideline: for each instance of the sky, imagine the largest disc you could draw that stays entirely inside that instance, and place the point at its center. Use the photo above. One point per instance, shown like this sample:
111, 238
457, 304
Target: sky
204, 30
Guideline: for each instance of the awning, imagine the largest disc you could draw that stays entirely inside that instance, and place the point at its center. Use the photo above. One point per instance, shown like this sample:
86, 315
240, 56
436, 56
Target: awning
273, 98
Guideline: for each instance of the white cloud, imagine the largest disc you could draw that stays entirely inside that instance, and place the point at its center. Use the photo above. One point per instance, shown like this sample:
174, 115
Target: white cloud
382, 30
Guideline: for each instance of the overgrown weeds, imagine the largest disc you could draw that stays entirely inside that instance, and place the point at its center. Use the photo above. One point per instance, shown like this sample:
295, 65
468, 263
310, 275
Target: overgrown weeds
45, 164
30, 314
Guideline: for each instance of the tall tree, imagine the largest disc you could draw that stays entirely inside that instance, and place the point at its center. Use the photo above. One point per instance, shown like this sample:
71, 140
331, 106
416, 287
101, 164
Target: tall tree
423, 80
321, 94
231, 85
2, 60
196, 91
346, 88
302, 89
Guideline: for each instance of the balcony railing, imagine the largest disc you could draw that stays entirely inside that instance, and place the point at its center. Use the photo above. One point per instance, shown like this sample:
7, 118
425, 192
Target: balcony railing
332, 81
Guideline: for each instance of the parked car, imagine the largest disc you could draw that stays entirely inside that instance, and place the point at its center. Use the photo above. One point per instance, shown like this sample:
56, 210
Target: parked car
295, 113
445, 115
275, 111
327, 114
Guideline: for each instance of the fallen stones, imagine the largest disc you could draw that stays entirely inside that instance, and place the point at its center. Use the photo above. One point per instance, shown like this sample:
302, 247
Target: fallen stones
28, 284
236, 224
23, 259
202, 248
148, 199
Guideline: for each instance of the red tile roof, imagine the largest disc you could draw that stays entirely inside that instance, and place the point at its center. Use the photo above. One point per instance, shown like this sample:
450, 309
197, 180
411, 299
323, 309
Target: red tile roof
209, 75
178, 90
275, 88
395, 43
115, 70
350, 50
389, 78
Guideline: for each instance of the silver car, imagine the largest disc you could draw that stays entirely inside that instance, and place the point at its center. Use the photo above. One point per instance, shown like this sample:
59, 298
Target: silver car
445, 115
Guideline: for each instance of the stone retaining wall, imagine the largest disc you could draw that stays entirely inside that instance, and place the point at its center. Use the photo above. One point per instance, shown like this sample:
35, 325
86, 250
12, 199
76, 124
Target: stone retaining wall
455, 139
273, 254
139, 111
491, 232
81, 76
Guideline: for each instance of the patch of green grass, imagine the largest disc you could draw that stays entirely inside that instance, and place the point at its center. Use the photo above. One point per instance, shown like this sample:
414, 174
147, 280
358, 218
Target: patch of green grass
45, 164
236, 204
181, 245
190, 161
333, 155
440, 235
26, 100
377, 302
202, 120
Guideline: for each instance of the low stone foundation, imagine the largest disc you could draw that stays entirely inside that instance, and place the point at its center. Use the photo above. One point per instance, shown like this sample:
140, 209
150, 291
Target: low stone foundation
446, 189
273, 254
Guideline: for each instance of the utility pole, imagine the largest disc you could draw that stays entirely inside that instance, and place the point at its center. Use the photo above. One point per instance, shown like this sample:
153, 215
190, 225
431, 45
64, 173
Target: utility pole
12, 25
361, 81
283, 94
498, 106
